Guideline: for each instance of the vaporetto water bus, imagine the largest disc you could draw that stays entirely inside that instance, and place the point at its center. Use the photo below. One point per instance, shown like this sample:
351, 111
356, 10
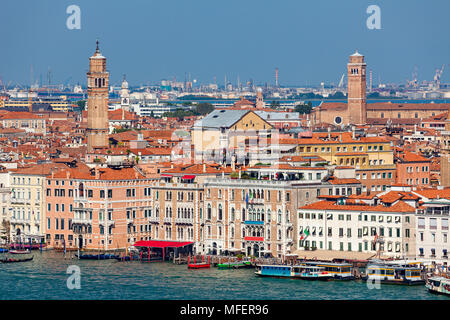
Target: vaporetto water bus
394, 273
339, 271
438, 285
298, 271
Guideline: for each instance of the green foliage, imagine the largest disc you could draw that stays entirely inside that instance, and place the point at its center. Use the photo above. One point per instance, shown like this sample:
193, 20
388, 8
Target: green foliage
180, 113
204, 108
337, 95
275, 104
304, 108
81, 104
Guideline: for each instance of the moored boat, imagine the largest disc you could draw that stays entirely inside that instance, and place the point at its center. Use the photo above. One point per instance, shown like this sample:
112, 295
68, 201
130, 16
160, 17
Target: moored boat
19, 251
10, 260
311, 273
297, 271
339, 271
97, 256
394, 273
235, 265
439, 285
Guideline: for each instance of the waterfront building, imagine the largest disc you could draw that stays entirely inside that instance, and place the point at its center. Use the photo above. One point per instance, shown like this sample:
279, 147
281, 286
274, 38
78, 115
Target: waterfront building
432, 217
253, 212
104, 208
5, 206
353, 224
28, 202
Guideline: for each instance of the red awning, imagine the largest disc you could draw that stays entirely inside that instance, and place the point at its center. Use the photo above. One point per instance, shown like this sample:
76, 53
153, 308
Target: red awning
161, 244
254, 238
167, 175
188, 176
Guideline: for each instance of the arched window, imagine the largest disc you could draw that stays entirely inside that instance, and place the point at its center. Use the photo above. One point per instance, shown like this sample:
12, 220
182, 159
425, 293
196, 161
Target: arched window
232, 214
209, 211
220, 211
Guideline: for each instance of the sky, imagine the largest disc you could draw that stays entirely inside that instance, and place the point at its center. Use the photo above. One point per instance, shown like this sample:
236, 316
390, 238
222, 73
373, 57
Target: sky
149, 40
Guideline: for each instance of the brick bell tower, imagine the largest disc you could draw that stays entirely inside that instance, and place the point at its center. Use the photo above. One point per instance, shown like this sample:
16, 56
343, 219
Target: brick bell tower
356, 75
445, 154
97, 103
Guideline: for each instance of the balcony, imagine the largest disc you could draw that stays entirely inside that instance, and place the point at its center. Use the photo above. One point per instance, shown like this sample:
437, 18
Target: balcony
130, 221
19, 221
184, 220
167, 220
153, 219
82, 221
20, 201
106, 222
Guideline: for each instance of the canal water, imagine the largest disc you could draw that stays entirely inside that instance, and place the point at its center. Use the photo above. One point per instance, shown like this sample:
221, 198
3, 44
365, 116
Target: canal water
46, 278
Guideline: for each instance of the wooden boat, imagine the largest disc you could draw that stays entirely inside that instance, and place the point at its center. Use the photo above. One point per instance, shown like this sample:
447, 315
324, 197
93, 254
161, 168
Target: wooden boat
19, 251
35, 246
235, 265
199, 265
440, 285
10, 260
394, 273
339, 271
102, 256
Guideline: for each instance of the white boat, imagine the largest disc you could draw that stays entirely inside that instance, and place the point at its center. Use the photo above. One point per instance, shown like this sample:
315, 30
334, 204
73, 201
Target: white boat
394, 273
438, 285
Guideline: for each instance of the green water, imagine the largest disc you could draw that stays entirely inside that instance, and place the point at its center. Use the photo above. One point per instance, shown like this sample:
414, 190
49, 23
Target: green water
45, 278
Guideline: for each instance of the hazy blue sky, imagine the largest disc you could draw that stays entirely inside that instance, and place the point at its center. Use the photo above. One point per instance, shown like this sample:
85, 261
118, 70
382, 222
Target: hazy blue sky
309, 41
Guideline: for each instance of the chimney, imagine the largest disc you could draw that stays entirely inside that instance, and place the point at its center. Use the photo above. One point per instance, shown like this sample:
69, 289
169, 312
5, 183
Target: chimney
233, 165
204, 167
97, 173
67, 174
329, 133
353, 133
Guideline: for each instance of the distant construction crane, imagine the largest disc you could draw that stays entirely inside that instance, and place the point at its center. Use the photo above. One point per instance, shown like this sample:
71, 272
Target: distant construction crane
341, 82
437, 76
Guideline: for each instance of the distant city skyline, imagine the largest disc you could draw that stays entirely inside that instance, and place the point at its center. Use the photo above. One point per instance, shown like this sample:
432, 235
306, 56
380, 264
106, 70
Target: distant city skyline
149, 41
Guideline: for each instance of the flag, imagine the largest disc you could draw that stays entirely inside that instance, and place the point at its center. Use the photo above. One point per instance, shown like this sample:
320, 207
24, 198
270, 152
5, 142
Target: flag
64, 244
306, 232
375, 239
246, 199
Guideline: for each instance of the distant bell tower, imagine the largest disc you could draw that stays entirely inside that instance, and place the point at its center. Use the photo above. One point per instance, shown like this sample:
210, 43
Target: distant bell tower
445, 154
356, 71
97, 103
259, 99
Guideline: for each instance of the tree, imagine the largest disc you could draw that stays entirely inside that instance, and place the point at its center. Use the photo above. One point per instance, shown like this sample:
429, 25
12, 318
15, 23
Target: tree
304, 108
204, 108
81, 104
275, 104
